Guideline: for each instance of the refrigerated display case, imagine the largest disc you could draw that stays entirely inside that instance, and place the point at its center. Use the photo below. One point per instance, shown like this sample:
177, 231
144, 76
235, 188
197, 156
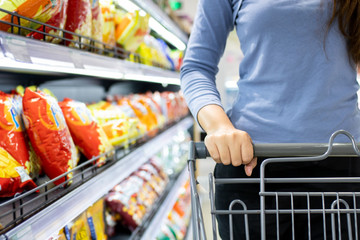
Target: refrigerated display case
87, 75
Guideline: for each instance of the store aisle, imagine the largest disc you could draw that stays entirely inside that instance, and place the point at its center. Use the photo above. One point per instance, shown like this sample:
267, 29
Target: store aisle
205, 167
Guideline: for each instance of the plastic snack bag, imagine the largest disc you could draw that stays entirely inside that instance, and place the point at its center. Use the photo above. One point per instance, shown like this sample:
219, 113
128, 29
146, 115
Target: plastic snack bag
96, 22
96, 220
57, 21
78, 21
108, 15
13, 178
85, 131
126, 201
34, 168
15, 163
41, 10
49, 134
80, 229
131, 30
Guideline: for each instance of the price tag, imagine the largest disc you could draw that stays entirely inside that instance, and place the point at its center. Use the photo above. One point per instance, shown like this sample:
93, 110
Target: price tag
77, 60
17, 49
24, 234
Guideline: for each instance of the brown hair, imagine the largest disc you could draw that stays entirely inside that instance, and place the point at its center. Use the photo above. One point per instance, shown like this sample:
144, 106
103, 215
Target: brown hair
348, 14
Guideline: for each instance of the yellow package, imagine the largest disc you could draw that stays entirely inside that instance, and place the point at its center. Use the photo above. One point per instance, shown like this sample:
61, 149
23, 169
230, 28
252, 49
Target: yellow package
131, 30
80, 229
96, 220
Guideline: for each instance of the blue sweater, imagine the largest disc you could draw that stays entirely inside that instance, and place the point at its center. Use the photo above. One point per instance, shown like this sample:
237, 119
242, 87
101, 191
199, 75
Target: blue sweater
297, 83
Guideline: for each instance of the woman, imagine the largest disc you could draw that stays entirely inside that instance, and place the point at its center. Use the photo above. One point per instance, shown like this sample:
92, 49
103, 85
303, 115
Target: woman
297, 84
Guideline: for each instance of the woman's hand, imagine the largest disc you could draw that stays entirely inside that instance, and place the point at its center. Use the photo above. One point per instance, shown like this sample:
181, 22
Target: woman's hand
231, 146
226, 144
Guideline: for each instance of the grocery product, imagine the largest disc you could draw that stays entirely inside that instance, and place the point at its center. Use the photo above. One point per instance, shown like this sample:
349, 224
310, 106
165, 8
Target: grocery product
88, 136
155, 52
15, 163
79, 230
41, 10
96, 221
34, 167
126, 201
49, 134
58, 21
145, 117
108, 15
152, 176
131, 30
112, 120
96, 22
13, 178
78, 21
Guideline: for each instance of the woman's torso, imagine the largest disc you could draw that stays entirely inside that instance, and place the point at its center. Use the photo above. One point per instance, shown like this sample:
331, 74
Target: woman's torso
297, 83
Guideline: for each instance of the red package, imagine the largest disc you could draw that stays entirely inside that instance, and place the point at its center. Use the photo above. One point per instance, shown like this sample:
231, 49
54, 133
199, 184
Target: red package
49, 134
14, 151
57, 20
86, 133
78, 21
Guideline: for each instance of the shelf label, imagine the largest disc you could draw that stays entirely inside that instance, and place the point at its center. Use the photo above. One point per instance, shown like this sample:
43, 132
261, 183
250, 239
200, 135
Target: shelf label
17, 49
76, 58
24, 234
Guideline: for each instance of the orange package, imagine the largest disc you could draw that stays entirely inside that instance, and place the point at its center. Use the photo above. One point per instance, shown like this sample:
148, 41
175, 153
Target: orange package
86, 133
49, 134
41, 10
78, 21
58, 20
108, 15
14, 151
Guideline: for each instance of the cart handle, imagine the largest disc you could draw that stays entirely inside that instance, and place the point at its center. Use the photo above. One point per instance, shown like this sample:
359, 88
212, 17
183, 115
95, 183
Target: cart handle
199, 150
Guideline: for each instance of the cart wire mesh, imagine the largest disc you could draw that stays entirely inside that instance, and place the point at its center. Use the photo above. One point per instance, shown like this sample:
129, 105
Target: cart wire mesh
333, 213
85, 43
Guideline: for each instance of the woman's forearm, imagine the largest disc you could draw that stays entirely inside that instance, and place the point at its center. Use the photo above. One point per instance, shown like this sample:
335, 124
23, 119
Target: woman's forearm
212, 118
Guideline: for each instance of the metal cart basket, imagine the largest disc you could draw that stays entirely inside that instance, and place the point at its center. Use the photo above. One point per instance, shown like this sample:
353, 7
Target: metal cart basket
334, 216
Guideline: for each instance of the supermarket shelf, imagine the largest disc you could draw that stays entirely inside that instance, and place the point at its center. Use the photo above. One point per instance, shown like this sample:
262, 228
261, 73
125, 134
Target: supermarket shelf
165, 207
57, 215
162, 17
25, 55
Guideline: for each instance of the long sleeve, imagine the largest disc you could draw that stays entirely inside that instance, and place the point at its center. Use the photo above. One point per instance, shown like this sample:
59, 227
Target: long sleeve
214, 21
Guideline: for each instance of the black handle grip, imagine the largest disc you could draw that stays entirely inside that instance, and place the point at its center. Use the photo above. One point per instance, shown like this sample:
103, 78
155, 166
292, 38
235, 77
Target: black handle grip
201, 150
288, 149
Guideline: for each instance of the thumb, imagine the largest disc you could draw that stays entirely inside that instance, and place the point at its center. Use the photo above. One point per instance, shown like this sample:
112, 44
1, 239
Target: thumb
250, 166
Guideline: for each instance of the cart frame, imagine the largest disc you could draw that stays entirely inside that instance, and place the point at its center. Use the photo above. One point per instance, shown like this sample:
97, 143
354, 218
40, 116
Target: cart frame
301, 152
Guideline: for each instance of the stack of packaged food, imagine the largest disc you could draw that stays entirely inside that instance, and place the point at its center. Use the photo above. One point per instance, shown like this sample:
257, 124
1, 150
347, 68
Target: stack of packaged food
129, 201
39, 135
176, 224
103, 21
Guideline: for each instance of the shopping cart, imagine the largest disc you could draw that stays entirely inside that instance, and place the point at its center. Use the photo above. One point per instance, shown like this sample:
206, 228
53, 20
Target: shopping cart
337, 211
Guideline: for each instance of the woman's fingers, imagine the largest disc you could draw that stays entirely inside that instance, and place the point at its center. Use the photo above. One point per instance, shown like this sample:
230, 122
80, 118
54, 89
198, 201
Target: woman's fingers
250, 167
231, 146
210, 144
